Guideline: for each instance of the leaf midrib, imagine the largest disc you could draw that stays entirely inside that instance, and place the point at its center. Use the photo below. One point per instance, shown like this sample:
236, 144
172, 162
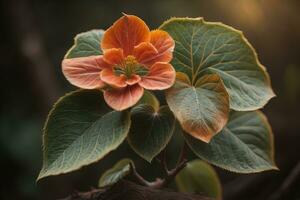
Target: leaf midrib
72, 143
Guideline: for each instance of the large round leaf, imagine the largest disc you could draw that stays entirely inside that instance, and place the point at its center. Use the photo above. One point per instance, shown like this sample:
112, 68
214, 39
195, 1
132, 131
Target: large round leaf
150, 130
86, 44
200, 178
80, 130
202, 110
120, 170
245, 145
204, 48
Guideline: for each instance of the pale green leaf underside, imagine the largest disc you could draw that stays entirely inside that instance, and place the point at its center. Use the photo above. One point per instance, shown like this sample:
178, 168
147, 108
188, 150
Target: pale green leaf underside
202, 110
199, 177
150, 130
116, 173
86, 44
205, 47
80, 130
245, 145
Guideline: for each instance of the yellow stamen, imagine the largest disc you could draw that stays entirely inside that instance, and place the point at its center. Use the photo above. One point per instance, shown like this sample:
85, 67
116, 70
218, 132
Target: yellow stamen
130, 66
130, 61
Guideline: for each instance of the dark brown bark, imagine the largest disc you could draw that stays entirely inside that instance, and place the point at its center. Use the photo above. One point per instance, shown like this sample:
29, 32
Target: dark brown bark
125, 190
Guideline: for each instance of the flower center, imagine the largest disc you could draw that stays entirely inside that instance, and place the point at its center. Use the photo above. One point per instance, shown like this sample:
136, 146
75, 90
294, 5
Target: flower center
129, 67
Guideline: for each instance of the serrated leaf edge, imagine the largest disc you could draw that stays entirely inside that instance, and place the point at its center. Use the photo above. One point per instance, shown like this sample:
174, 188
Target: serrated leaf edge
273, 165
42, 174
261, 67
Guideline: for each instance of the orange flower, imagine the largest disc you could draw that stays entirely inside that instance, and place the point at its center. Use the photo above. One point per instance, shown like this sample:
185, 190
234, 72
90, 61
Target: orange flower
134, 59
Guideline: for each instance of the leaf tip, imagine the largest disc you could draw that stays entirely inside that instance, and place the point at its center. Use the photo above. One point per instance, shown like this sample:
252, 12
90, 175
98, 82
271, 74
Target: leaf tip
275, 167
149, 159
205, 138
40, 176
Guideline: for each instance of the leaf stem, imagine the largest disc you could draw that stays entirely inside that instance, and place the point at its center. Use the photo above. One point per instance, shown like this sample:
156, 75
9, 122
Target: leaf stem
169, 174
183, 153
138, 177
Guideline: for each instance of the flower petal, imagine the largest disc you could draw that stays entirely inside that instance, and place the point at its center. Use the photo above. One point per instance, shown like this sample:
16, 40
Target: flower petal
108, 76
145, 53
113, 56
133, 79
121, 99
84, 72
161, 76
164, 44
125, 33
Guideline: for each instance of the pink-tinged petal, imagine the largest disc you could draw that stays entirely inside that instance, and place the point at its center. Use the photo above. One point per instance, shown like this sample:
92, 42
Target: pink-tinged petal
113, 56
102, 63
133, 79
145, 53
84, 72
121, 99
164, 44
126, 33
108, 76
161, 76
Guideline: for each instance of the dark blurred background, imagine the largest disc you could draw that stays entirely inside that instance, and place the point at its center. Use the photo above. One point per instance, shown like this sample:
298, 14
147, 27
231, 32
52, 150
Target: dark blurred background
35, 34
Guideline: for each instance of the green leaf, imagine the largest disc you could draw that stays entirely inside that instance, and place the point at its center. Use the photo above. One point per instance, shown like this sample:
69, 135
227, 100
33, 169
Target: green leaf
245, 145
80, 130
202, 110
150, 130
205, 48
199, 177
120, 170
86, 44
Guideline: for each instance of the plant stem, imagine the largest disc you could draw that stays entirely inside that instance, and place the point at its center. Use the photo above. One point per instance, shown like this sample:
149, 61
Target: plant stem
138, 177
128, 190
163, 162
183, 153
169, 174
